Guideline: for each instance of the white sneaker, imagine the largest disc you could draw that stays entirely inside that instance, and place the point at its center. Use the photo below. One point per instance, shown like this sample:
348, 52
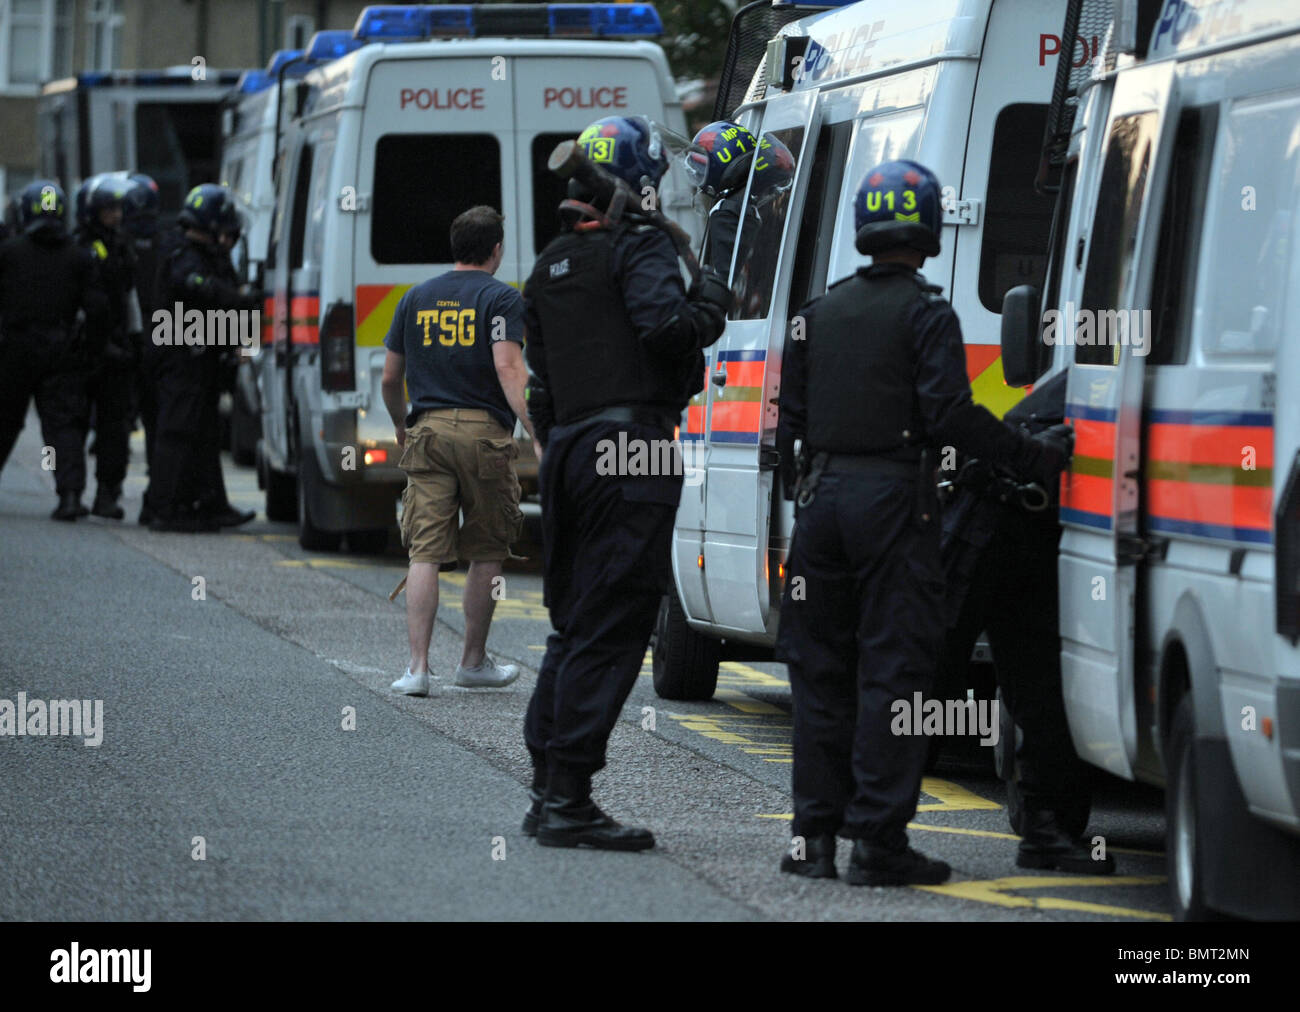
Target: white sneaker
412, 685
488, 675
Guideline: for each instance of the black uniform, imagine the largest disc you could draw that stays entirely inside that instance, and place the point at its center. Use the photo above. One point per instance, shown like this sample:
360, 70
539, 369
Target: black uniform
150, 256
186, 487
615, 349
1000, 562
44, 279
116, 357
878, 381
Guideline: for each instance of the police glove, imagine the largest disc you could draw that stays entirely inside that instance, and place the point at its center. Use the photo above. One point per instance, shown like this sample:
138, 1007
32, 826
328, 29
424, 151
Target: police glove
711, 288
1054, 447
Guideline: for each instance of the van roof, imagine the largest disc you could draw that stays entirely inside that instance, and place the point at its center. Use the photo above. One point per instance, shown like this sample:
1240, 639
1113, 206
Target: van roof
341, 83
875, 35
1187, 26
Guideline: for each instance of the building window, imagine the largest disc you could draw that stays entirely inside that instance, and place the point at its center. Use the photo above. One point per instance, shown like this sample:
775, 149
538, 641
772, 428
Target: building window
298, 30
35, 42
105, 49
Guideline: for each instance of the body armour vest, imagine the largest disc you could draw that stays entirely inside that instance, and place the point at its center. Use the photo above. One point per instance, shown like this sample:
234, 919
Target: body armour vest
862, 367
593, 357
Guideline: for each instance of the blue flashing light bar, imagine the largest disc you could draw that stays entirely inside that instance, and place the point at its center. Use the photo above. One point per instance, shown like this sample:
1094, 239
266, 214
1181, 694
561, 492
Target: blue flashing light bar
254, 80
279, 58
594, 20
330, 45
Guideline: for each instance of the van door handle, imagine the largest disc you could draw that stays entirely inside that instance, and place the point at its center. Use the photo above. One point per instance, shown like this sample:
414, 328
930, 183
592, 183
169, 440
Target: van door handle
719, 379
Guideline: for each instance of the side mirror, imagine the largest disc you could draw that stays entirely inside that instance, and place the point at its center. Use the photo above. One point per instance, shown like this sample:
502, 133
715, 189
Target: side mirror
1021, 348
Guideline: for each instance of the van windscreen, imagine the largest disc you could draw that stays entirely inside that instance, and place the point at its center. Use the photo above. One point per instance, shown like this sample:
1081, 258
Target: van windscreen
548, 189
422, 182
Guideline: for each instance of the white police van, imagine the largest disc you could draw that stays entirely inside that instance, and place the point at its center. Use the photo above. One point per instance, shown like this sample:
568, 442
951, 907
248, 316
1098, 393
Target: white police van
252, 135
444, 107
962, 87
1180, 554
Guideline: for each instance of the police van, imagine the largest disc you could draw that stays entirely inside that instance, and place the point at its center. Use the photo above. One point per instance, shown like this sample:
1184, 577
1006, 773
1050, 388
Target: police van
252, 136
1172, 296
962, 87
442, 108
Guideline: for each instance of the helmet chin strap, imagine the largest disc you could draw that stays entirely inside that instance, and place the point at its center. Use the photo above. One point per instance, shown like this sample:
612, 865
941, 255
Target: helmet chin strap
591, 216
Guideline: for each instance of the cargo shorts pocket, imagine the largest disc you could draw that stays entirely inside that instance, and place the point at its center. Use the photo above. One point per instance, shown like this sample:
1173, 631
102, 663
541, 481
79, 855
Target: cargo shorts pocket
415, 454
495, 457
512, 522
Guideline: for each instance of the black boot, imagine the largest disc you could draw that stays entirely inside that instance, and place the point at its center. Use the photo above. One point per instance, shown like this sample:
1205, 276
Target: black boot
818, 860
228, 516
536, 794
106, 503
876, 866
69, 507
1046, 845
570, 819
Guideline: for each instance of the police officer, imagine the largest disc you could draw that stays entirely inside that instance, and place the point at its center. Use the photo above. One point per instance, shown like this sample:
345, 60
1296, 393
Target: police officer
116, 350
44, 280
999, 551
874, 380
140, 223
718, 163
614, 343
186, 489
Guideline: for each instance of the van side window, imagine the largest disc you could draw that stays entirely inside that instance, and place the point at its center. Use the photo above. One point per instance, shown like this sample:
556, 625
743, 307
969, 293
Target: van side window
298, 221
1173, 284
817, 223
422, 182
761, 230
1121, 192
179, 144
1017, 219
548, 190
318, 202
1252, 231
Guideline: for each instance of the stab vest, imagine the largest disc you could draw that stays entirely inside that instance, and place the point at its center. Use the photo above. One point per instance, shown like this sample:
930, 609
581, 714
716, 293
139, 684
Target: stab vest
862, 367
593, 357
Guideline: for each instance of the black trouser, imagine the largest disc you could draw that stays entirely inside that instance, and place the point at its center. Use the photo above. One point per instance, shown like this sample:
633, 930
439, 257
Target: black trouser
860, 629
111, 391
606, 547
1013, 596
147, 393
42, 366
187, 434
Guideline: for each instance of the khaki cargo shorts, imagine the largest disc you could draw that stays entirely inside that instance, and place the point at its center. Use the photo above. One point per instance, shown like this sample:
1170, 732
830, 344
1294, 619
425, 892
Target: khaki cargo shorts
459, 460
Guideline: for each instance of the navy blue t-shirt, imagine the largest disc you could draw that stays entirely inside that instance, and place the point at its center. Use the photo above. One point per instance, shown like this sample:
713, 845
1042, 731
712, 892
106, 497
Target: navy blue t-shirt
446, 327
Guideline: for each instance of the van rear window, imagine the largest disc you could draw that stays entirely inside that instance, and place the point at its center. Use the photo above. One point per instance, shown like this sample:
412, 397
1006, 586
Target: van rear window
422, 182
1018, 219
548, 190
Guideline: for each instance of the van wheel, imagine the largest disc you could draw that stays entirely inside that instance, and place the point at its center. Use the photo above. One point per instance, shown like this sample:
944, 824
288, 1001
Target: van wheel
1183, 852
310, 536
685, 662
368, 542
281, 495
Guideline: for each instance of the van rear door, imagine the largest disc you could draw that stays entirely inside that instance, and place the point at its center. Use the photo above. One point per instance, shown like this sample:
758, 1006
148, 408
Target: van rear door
437, 138
1101, 544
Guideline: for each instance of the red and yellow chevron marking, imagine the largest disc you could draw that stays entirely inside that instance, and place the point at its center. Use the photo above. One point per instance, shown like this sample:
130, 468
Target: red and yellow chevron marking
988, 385
375, 307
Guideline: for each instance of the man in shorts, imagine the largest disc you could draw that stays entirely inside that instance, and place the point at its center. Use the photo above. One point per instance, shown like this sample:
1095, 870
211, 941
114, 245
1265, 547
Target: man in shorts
456, 342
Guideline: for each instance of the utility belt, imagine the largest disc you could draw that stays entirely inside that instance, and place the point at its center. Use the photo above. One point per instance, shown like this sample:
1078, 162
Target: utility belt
624, 413
918, 471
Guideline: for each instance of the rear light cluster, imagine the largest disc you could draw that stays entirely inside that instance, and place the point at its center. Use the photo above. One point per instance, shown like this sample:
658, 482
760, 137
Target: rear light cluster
1286, 556
338, 349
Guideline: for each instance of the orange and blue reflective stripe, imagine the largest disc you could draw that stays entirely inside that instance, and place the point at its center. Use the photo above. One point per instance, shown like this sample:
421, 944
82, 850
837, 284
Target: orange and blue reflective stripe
738, 407
1197, 481
695, 412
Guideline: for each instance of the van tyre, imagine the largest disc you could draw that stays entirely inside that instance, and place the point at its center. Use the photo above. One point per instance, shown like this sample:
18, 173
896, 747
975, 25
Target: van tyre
311, 537
1184, 843
685, 662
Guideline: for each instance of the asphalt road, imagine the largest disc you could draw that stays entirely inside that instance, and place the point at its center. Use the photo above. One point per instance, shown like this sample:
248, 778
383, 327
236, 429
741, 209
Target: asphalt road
228, 666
